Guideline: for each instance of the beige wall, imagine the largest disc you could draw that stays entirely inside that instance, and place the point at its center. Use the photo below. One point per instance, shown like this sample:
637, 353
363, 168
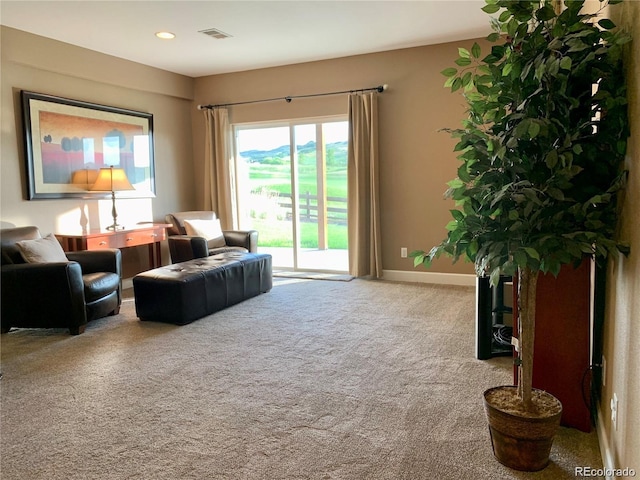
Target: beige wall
416, 160
34, 63
622, 322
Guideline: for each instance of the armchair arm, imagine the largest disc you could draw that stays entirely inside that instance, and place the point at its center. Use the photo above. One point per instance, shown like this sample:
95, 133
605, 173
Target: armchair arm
43, 294
187, 247
93, 261
242, 238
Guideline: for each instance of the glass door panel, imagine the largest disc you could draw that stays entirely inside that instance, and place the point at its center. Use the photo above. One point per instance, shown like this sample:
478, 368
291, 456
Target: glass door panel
307, 197
264, 189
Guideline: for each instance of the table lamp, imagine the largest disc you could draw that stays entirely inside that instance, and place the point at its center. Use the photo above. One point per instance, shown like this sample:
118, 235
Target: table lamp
112, 180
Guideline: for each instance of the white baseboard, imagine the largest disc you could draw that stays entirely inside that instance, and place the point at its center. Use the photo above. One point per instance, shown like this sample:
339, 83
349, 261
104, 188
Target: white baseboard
430, 277
605, 448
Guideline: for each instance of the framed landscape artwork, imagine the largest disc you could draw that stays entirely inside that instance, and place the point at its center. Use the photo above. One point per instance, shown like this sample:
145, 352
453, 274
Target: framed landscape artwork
68, 141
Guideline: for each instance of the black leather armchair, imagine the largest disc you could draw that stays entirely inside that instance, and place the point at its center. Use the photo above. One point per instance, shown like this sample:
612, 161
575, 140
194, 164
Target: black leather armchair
183, 247
60, 294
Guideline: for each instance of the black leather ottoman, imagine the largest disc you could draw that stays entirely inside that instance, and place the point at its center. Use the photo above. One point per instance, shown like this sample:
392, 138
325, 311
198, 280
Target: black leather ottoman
183, 292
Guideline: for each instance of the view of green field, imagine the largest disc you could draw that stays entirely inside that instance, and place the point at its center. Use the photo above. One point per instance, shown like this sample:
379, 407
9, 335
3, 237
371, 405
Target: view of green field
269, 175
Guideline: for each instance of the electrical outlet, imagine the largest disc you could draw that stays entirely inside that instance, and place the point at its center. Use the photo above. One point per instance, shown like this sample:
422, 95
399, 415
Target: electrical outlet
403, 252
614, 411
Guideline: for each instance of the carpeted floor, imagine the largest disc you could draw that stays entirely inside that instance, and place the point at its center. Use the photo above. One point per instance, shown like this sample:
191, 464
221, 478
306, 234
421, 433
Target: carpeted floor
314, 380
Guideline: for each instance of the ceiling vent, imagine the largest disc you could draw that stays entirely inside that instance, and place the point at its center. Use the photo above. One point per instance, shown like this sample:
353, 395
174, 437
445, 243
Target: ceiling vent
215, 33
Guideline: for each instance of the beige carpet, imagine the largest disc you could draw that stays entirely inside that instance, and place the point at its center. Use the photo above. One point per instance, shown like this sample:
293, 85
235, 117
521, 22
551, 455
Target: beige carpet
314, 380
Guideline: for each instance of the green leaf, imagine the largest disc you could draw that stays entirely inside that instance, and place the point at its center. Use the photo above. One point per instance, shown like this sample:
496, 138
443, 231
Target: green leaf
528, 209
463, 52
621, 146
534, 129
455, 183
463, 61
463, 173
494, 278
466, 79
449, 72
545, 13
457, 215
532, 253
493, 37
595, 199
420, 258
472, 250
576, 45
551, 159
555, 193
521, 129
455, 236
504, 16
507, 69
607, 24
554, 267
565, 63
490, 9
452, 225
476, 50
490, 59
624, 249
520, 258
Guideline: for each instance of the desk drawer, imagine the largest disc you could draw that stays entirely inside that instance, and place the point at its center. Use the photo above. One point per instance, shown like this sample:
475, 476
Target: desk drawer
143, 237
101, 242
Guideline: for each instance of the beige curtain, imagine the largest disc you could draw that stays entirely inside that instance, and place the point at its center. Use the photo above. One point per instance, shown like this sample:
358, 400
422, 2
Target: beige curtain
365, 254
219, 177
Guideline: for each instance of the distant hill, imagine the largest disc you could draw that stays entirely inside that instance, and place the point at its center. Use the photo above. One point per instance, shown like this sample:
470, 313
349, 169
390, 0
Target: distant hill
336, 154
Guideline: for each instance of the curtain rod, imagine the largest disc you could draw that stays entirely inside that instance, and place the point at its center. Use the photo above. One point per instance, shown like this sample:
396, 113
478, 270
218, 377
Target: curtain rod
379, 89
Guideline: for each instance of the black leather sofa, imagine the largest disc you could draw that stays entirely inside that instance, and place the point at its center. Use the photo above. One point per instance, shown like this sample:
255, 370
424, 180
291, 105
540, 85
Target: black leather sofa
60, 294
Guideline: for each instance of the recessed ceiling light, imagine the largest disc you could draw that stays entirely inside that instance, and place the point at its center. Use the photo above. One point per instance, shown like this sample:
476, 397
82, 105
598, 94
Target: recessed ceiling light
165, 35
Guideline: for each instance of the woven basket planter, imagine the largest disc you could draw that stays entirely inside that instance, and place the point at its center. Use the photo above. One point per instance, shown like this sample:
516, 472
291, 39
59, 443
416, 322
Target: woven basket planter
522, 442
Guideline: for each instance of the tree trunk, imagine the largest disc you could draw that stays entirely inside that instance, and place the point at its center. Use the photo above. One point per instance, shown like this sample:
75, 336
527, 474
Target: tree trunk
527, 284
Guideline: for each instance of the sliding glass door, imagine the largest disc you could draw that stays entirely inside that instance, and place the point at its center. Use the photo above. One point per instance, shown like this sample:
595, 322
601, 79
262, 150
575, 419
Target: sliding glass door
292, 188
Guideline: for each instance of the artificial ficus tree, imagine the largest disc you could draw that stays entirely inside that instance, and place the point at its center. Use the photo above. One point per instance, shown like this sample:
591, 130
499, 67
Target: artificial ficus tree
540, 149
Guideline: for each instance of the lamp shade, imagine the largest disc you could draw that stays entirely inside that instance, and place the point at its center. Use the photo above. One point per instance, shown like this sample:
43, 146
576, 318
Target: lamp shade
112, 180
84, 176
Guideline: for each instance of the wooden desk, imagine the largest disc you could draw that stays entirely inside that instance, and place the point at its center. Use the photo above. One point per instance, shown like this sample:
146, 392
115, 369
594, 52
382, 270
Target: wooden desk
150, 234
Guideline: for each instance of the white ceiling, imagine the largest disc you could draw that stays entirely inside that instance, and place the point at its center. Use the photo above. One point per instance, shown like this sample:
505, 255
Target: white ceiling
264, 33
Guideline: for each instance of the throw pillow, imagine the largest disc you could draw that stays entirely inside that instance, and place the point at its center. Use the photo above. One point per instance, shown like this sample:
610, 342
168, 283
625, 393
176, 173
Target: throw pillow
42, 250
208, 229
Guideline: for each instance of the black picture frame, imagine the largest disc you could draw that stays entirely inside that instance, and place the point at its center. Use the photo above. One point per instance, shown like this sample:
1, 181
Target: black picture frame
67, 142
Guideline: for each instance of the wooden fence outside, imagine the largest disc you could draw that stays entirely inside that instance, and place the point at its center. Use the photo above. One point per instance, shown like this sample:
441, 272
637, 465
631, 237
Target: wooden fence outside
308, 208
